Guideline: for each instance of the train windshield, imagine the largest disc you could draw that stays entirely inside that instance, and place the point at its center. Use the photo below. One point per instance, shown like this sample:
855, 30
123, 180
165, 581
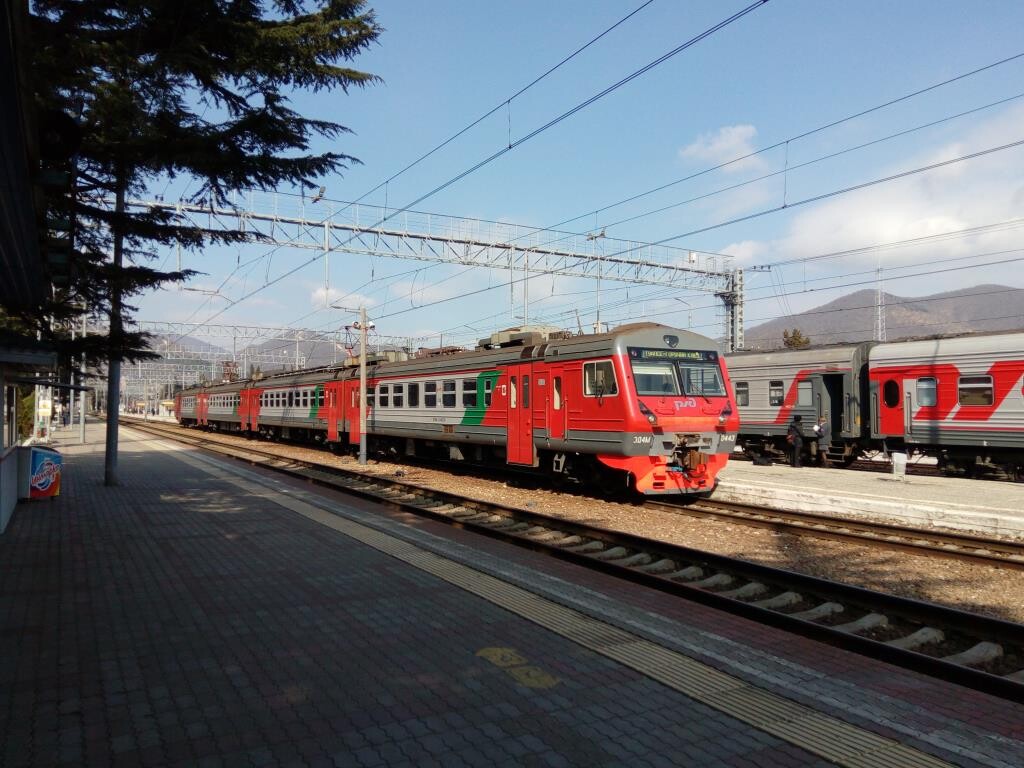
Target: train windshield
668, 372
701, 379
655, 377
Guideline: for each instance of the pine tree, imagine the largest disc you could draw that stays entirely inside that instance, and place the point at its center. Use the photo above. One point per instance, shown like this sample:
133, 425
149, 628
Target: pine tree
164, 88
795, 340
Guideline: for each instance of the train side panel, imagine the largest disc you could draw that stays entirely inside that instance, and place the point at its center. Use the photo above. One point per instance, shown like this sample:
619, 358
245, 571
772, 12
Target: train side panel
961, 398
772, 387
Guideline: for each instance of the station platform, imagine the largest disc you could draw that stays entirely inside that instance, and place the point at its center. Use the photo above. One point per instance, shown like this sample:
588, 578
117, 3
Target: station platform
988, 507
208, 613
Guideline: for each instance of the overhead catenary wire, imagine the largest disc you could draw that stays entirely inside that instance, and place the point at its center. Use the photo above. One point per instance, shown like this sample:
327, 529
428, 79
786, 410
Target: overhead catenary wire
502, 104
796, 137
823, 196
786, 142
923, 240
536, 132
847, 150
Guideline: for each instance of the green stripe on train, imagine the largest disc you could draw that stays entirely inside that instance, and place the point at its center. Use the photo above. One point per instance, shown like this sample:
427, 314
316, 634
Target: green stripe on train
317, 394
474, 416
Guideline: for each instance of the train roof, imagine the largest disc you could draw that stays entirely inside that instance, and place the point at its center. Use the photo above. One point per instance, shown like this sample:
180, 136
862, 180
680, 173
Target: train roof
805, 357
986, 344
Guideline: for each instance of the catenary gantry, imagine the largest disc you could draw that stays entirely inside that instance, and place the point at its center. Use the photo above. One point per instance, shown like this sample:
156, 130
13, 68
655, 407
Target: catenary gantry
327, 227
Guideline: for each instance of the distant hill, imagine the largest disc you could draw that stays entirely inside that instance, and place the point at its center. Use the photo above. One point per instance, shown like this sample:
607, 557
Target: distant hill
852, 318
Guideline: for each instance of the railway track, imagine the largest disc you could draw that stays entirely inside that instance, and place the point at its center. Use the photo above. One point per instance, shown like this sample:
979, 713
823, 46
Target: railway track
982, 549
972, 650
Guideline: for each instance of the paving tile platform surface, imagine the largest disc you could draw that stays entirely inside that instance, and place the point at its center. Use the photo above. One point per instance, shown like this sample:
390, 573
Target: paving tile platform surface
180, 619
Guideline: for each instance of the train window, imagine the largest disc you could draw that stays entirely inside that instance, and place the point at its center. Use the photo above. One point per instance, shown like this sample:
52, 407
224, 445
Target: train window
742, 393
291, 399
776, 393
891, 393
371, 400
383, 398
701, 379
430, 394
975, 390
414, 395
448, 393
927, 392
398, 396
320, 398
469, 393
599, 379
526, 391
803, 393
655, 378
556, 393
512, 392
488, 388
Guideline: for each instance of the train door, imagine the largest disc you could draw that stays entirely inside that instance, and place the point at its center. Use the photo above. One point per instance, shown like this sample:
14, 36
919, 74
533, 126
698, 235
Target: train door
243, 409
891, 413
832, 402
556, 410
202, 408
332, 407
349, 406
520, 448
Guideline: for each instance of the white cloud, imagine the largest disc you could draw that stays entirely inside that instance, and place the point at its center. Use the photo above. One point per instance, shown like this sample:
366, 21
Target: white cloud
345, 298
745, 251
967, 194
727, 143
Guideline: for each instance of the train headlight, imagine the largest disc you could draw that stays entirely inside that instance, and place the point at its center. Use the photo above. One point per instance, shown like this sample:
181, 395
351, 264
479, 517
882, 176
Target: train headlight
725, 414
648, 414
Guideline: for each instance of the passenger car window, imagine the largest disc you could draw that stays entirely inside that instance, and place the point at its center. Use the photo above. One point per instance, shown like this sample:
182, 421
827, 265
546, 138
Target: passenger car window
803, 393
742, 393
656, 377
448, 393
469, 393
383, 396
488, 389
926, 392
776, 393
975, 390
398, 396
891, 393
430, 394
556, 396
599, 379
414, 395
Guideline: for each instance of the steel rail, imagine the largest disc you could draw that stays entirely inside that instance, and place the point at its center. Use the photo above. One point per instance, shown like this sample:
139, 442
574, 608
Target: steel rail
967, 547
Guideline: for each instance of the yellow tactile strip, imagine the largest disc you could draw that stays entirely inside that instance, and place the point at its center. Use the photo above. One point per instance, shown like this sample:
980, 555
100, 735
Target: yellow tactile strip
817, 733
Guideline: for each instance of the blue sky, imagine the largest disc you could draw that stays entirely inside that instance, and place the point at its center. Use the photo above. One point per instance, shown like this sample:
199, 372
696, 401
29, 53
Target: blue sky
786, 68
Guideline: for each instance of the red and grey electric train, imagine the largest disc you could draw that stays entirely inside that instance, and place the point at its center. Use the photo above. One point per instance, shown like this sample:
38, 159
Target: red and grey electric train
959, 399
644, 407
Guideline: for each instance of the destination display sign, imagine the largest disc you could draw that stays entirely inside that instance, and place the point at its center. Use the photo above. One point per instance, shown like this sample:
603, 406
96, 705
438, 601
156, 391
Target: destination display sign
695, 355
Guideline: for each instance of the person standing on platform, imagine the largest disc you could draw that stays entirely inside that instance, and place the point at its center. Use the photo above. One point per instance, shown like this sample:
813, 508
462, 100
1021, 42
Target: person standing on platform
823, 431
795, 438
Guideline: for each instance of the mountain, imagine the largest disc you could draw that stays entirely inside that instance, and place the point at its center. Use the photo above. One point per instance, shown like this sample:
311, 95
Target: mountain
852, 317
